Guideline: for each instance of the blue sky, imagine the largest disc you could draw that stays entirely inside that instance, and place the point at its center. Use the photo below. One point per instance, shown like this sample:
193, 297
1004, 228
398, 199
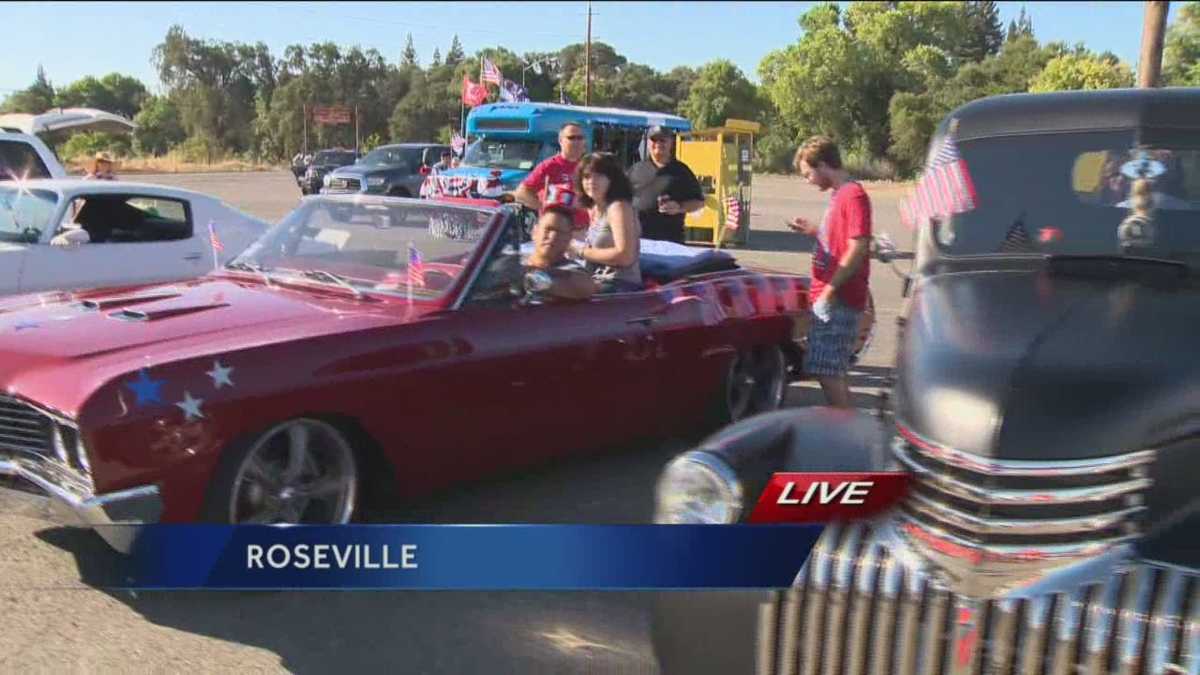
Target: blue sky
72, 40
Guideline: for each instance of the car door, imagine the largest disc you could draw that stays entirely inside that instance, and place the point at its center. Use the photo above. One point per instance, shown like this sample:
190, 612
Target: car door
140, 238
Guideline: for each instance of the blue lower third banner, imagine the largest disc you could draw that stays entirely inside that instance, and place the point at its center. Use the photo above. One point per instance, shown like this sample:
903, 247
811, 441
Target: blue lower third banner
466, 557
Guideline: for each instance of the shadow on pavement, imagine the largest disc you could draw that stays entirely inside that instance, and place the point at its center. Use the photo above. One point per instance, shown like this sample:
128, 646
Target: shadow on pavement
777, 240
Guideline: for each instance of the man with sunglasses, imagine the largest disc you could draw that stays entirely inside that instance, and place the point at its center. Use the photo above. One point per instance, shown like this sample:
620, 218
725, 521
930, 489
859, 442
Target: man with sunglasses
558, 171
664, 189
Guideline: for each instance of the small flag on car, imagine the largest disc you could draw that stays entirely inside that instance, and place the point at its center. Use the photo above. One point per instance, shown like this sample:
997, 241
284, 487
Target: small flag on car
1017, 239
945, 188
416, 267
215, 242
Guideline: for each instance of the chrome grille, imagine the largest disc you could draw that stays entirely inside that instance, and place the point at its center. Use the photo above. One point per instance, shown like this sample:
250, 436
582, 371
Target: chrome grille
25, 428
859, 607
1012, 505
339, 183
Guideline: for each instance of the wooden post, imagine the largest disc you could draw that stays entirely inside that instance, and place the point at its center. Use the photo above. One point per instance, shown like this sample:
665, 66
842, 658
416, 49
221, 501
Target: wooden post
304, 107
1154, 27
356, 130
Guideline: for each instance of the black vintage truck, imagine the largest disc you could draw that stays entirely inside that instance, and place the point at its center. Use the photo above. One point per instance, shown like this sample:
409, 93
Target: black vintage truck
1046, 400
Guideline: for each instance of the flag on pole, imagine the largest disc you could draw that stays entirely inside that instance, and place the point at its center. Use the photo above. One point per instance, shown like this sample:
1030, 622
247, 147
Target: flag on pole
945, 187
1017, 239
215, 242
458, 143
562, 98
513, 92
490, 73
473, 94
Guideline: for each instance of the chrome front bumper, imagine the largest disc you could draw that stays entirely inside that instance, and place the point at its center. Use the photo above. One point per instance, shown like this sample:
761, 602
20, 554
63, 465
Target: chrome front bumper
66, 501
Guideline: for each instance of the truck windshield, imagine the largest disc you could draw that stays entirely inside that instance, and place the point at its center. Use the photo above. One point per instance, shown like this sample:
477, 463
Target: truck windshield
24, 213
20, 161
494, 153
1074, 196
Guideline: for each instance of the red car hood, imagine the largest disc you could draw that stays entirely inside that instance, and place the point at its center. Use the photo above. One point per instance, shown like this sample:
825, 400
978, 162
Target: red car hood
55, 348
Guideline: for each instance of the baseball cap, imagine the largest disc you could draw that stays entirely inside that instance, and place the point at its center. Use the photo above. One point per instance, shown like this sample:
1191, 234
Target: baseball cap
659, 130
561, 199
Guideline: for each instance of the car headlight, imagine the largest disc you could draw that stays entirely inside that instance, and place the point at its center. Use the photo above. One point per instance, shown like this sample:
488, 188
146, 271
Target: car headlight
698, 488
376, 181
326, 179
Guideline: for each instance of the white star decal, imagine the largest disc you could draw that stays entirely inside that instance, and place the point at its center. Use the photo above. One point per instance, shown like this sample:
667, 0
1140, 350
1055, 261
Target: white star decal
190, 406
220, 375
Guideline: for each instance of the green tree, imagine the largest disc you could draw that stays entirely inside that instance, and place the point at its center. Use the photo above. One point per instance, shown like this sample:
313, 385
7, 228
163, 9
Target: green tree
410, 53
1071, 72
1020, 27
115, 93
455, 54
35, 99
719, 92
1181, 55
984, 35
159, 127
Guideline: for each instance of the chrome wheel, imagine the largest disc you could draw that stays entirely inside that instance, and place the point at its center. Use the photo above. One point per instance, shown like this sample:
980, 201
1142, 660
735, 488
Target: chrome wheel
301, 471
756, 383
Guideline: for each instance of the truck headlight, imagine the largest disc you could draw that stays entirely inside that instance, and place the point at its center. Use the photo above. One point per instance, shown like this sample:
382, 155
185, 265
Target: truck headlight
376, 181
327, 179
698, 488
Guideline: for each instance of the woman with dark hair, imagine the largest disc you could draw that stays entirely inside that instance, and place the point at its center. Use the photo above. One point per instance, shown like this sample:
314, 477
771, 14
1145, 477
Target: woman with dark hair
612, 247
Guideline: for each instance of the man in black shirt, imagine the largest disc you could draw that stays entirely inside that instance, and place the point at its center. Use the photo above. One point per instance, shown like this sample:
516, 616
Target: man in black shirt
664, 189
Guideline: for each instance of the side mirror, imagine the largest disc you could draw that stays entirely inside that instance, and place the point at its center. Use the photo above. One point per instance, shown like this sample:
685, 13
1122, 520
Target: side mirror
424, 170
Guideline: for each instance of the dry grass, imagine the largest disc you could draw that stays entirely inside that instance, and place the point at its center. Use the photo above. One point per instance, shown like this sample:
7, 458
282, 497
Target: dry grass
171, 164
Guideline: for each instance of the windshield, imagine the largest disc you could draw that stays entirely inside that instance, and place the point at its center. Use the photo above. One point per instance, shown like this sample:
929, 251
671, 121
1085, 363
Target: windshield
1068, 194
25, 214
494, 153
334, 158
371, 245
407, 158
20, 160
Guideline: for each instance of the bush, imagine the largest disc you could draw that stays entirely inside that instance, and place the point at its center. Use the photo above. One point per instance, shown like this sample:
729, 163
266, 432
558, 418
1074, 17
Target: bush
199, 150
864, 167
86, 145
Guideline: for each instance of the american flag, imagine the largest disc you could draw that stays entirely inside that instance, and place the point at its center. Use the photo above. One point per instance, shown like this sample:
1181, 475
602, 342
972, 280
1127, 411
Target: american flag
416, 267
490, 73
458, 143
212, 238
733, 212
1017, 239
945, 188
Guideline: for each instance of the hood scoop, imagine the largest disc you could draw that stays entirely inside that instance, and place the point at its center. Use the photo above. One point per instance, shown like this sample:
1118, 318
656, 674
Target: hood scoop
101, 304
164, 313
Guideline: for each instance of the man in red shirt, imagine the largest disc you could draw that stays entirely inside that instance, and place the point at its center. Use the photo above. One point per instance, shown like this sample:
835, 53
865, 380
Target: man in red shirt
840, 267
558, 171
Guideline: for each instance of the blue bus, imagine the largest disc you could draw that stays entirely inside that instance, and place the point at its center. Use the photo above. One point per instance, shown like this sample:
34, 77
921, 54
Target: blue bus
512, 138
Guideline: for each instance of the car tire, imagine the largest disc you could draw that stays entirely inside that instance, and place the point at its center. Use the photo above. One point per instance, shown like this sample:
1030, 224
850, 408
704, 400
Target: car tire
303, 470
755, 381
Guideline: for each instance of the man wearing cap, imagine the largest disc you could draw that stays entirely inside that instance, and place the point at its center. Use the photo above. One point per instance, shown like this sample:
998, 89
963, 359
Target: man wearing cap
664, 189
444, 162
559, 170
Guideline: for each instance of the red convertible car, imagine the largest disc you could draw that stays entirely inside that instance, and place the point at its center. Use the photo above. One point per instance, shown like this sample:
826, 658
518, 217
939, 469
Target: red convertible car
368, 343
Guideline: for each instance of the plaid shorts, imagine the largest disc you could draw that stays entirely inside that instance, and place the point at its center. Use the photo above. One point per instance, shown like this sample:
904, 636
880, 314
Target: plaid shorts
829, 344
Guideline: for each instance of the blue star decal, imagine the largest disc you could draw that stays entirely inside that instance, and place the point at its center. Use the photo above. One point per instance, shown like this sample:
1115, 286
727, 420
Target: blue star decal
146, 389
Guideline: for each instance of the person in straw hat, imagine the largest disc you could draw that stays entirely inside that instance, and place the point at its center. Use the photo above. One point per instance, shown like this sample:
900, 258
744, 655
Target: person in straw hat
102, 167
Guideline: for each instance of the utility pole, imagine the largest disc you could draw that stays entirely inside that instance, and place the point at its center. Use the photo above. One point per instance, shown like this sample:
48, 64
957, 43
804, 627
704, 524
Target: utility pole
587, 60
1154, 27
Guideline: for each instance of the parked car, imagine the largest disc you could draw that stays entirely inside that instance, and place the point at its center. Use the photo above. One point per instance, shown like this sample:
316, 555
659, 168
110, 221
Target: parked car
273, 389
1045, 401
23, 153
134, 232
397, 170
321, 165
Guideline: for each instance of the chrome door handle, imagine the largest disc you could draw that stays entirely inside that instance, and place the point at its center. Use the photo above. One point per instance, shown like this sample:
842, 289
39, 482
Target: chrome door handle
193, 256
643, 320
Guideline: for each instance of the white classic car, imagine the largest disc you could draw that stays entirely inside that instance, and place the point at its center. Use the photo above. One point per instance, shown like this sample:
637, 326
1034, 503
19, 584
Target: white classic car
108, 233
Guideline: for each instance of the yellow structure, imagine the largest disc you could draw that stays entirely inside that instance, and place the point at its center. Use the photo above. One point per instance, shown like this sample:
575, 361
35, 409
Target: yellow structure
721, 159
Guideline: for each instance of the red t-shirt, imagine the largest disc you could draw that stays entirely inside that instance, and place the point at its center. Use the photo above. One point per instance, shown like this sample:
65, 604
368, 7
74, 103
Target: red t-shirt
848, 217
558, 171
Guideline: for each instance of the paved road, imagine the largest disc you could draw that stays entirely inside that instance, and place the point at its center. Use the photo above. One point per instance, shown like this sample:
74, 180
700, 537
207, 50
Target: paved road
52, 621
